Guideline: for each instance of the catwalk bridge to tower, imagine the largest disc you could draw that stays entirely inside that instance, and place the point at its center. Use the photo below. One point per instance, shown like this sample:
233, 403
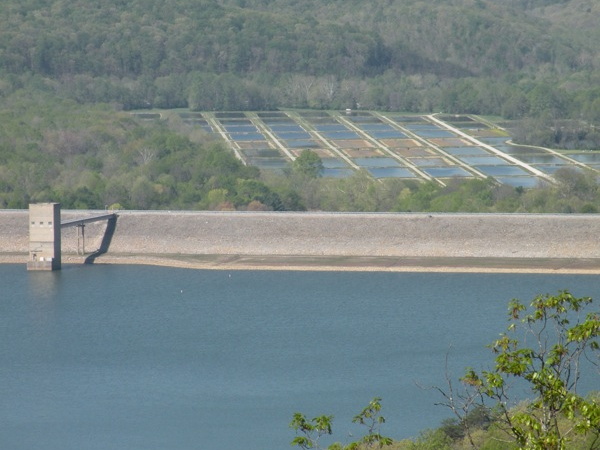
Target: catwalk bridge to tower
45, 235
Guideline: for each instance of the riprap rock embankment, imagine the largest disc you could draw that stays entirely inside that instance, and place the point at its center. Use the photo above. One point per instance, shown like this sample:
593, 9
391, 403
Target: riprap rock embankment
264, 234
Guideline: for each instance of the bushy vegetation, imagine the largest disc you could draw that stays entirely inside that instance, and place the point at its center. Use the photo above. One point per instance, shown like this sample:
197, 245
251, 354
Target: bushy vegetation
487, 433
574, 192
310, 431
542, 351
92, 157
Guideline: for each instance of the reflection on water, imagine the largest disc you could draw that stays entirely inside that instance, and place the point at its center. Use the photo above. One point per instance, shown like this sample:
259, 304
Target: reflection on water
542, 159
302, 143
341, 135
331, 127
391, 172
464, 151
43, 290
428, 162
550, 169
387, 134
517, 151
43, 284
376, 162
483, 160
293, 135
434, 133
501, 170
586, 157
282, 128
247, 137
233, 129
377, 127
446, 172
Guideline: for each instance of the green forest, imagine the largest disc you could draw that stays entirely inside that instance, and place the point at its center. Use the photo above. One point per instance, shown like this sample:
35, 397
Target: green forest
71, 70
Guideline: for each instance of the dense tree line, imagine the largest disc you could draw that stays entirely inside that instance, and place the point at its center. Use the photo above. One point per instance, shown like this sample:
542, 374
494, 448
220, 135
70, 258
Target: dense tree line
93, 157
573, 192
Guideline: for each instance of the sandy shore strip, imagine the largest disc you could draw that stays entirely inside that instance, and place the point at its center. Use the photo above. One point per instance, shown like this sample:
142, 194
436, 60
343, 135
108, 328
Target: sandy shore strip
343, 263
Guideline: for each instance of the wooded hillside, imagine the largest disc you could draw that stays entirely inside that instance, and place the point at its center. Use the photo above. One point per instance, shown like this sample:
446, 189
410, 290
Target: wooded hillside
68, 67
458, 56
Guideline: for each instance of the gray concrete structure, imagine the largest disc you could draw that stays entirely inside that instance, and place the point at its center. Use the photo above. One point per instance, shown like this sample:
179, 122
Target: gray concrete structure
44, 237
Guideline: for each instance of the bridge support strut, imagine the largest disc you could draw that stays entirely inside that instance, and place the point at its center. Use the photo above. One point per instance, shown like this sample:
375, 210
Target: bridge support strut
45, 235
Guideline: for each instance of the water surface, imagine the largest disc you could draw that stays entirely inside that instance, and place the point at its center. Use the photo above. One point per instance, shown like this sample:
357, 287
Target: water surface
132, 357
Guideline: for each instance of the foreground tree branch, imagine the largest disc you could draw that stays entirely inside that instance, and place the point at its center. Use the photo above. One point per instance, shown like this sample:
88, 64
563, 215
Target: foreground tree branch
544, 345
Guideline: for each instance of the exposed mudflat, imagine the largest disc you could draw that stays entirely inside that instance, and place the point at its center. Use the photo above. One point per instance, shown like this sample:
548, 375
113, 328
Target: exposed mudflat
330, 241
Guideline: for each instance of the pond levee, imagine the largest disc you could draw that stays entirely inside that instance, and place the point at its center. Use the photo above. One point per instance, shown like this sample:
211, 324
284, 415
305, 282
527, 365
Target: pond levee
348, 235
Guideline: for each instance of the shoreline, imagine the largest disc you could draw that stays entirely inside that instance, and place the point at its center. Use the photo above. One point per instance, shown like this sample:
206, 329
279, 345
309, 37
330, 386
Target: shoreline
584, 266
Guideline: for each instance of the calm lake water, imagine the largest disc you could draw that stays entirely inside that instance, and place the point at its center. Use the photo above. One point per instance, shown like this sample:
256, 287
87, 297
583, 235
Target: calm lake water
132, 357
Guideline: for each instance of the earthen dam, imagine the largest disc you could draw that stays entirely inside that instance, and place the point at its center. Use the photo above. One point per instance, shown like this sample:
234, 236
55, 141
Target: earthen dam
327, 241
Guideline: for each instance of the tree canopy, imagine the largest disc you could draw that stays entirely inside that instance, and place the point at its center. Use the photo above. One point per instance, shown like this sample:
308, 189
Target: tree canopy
69, 68
512, 57
546, 345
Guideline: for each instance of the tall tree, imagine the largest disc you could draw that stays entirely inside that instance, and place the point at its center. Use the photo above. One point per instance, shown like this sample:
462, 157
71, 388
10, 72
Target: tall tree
545, 346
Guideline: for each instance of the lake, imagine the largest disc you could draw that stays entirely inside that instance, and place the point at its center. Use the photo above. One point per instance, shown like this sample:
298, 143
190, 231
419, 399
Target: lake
134, 357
